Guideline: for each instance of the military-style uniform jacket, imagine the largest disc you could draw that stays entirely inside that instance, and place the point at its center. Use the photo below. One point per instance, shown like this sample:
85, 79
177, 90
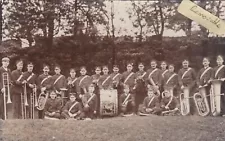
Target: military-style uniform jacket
116, 79
164, 72
72, 87
141, 76
95, 78
151, 102
128, 78
123, 97
16, 76
187, 77
2, 70
204, 75
75, 109
170, 79
53, 105
93, 102
83, 82
218, 72
156, 76
60, 83
171, 102
31, 78
105, 82
44, 80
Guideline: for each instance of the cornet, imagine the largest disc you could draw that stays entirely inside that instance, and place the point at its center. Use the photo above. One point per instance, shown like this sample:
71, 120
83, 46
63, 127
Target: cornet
6, 92
201, 102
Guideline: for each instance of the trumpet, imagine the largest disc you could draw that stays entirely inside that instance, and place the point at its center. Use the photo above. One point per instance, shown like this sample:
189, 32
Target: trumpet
201, 102
34, 103
215, 97
185, 102
42, 99
24, 102
6, 93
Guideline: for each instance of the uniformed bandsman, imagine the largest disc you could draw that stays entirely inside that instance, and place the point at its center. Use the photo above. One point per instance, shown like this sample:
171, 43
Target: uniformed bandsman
105, 81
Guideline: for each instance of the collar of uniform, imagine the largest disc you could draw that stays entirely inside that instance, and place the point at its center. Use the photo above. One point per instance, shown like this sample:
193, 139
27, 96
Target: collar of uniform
206, 67
6, 69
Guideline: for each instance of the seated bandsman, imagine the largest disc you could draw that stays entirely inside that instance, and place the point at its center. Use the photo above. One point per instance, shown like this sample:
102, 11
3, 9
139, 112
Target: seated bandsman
53, 106
151, 104
89, 101
169, 104
72, 109
127, 102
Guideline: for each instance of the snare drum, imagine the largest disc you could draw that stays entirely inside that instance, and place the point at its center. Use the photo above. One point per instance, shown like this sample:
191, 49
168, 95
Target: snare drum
108, 102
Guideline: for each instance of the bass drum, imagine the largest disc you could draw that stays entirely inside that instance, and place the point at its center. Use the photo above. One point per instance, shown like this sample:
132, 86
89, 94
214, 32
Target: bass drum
108, 102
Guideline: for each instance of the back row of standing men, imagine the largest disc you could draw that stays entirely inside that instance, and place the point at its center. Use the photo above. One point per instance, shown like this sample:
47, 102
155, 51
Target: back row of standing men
160, 79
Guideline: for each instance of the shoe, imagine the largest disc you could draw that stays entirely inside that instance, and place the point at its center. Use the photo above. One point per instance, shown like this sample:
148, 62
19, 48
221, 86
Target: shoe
88, 119
223, 115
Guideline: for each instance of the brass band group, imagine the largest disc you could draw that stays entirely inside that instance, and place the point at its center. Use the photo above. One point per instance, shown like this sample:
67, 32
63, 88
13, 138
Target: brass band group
158, 90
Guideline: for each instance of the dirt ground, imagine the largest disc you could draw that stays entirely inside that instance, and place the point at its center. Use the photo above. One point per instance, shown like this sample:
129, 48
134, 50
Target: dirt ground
135, 128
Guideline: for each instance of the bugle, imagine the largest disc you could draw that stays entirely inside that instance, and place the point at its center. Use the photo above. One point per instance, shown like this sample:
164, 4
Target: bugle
185, 102
201, 101
6, 93
215, 97
24, 102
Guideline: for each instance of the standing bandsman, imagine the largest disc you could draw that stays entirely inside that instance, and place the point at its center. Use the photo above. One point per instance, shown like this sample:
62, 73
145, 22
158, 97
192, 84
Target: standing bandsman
219, 73
128, 77
71, 82
83, 82
164, 69
58, 82
29, 79
140, 87
116, 76
204, 76
187, 78
95, 77
171, 80
154, 77
17, 89
44, 85
4, 69
105, 81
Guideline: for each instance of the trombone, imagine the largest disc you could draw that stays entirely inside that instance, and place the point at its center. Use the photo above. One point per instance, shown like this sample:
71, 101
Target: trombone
24, 102
6, 93
33, 101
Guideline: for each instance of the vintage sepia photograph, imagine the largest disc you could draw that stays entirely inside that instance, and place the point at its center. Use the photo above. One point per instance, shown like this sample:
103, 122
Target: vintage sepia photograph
116, 70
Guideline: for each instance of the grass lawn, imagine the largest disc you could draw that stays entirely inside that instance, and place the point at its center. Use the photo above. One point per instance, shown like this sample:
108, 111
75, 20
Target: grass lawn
151, 128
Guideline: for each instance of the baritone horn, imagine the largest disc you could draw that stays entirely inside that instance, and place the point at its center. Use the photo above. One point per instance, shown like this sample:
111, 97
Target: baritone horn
6, 93
215, 97
167, 89
201, 101
42, 99
185, 102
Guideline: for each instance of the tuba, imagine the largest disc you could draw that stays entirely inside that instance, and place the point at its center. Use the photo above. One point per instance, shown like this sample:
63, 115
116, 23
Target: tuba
6, 93
42, 99
215, 97
201, 102
185, 102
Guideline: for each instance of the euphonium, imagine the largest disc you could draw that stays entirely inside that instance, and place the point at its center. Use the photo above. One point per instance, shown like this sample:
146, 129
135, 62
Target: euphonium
215, 97
42, 99
6, 93
201, 102
185, 102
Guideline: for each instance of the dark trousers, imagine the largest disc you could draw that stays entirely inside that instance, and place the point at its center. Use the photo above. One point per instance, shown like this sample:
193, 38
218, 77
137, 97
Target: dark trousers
223, 99
88, 112
129, 108
16, 106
